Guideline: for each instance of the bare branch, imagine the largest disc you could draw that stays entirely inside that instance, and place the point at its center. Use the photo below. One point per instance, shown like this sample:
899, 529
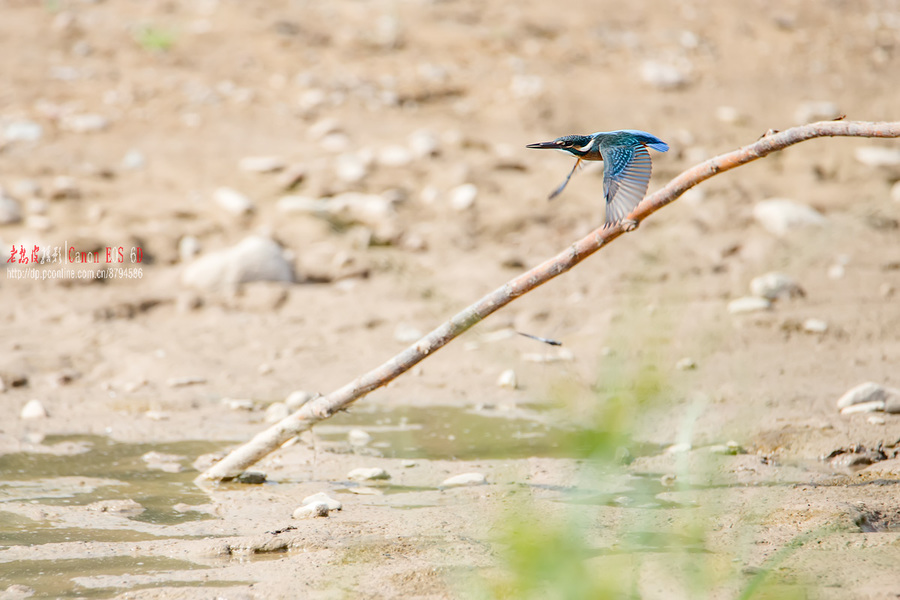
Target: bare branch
322, 408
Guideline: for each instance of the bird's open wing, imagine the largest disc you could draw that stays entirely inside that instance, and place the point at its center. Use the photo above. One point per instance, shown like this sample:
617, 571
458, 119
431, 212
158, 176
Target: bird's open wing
626, 175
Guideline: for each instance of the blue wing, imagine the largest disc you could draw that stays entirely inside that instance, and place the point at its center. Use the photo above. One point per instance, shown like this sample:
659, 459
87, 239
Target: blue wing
648, 139
626, 175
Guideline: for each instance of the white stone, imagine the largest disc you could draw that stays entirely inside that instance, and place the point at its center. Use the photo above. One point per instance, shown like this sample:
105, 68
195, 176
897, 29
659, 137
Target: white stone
233, 201
10, 210
394, 156
262, 164
309, 511
678, 448
815, 326
298, 398
686, 364
878, 156
664, 76
133, 160
508, 380
84, 123
773, 286
33, 409
358, 437
424, 144
864, 392
188, 248
748, 304
821, 110
876, 420
301, 204
256, 258
323, 498
836, 271
864, 407
22, 131
463, 197
350, 168
368, 474
276, 412
464, 479
324, 127
780, 216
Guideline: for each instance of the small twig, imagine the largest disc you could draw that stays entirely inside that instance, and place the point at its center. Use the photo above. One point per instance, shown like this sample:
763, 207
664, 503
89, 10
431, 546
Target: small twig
323, 407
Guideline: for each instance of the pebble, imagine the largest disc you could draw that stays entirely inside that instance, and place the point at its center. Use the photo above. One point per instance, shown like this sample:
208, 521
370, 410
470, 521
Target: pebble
368, 474
748, 304
463, 197
358, 437
324, 127
233, 201
815, 326
298, 398
256, 258
464, 479
821, 110
878, 156
301, 204
864, 407
679, 448
780, 217
175, 382
876, 420
865, 392
663, 76
188, 248
508, 380
310, 511
133, 160
424, 144
160, 461
84, 123
394, 156
10, 210
276, 412
33, 409
64, 188
238, 403
686, 364
124, 507
731, 448
251, 477
773, 286
325, 499
22, 131
836, 271
292, 176
351, 168
895, 192
408, 464
262, 164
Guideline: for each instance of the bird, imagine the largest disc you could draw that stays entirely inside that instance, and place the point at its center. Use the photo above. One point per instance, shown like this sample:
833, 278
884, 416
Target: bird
626, 164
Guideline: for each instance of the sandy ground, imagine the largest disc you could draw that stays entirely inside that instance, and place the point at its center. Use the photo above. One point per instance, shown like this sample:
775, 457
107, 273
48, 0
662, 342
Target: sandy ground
145, 109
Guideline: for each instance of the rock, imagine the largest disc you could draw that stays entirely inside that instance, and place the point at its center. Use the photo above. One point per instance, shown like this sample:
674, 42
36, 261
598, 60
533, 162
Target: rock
301, 204
351, 168
815, 326
64, 188
366, 491
17, 591
256, 258
133, 160
125, 507
773, 286
10, 210
310, 511
729, 448
33, 409
822, 110
323, 127
238, 403
161, 461
876, 420
233, 201
323, 498
408, 464
335, 142
895, 192
292, 177
83, 123
678, 448
686, 364
464, 479
508, 380
22, 130
424, 144
368, 474
175, 382
358, 438
864, 407
748, 304
780, 217
866, 392
463, 197
394, 156
836, 271
251, 477
188, 248
878, 156
664, 76
298, 398
276, 412
262, 164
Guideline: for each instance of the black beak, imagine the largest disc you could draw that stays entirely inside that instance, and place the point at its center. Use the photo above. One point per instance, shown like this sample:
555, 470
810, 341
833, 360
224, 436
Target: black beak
545, 145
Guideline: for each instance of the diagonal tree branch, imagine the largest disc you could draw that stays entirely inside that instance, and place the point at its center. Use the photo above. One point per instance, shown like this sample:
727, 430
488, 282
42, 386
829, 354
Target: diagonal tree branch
323, 407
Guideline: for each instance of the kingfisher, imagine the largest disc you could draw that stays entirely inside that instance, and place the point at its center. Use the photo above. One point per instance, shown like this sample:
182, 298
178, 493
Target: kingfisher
626, 165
